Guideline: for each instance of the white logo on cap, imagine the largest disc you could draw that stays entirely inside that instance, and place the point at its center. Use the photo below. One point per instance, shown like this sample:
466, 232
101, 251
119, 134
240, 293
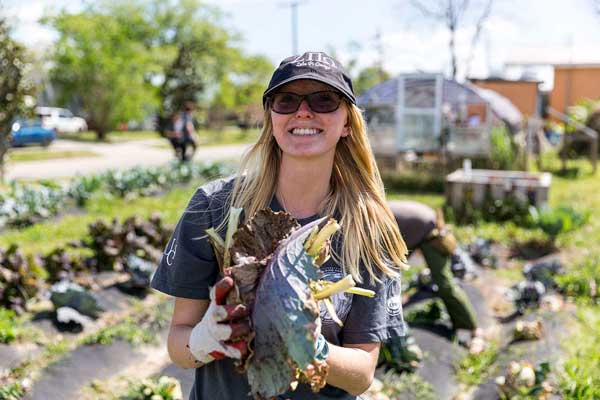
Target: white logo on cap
311, 59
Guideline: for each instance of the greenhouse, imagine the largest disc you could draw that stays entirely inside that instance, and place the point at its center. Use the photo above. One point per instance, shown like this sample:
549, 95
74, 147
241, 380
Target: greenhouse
426, 114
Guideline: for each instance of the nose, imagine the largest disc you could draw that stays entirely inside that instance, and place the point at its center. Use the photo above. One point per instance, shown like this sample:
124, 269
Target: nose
304, 110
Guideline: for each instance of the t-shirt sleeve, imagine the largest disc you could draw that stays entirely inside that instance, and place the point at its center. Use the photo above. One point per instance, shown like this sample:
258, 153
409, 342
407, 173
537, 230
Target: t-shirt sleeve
188, 267
375, 319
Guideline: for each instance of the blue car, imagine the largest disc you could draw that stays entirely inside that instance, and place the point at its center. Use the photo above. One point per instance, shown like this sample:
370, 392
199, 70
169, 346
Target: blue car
26, 132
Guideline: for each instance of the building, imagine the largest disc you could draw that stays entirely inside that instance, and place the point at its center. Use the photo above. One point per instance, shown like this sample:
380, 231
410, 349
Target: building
426, 114
574, 82
524, 94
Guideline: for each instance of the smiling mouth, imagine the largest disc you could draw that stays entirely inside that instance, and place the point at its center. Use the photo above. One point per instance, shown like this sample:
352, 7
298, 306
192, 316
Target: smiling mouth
305, 131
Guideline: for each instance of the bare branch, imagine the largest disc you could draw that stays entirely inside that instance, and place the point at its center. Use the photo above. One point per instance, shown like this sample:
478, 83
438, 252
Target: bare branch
478, 28
427, 12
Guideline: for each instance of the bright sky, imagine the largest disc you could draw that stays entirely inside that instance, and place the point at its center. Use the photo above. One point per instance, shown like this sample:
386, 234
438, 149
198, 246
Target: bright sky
518, 31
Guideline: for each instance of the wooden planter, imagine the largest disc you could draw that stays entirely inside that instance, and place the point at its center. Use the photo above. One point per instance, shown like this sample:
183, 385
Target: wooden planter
465, 185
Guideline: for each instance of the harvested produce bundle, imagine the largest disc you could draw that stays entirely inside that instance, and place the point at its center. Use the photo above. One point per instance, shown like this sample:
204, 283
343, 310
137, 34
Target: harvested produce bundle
275, 266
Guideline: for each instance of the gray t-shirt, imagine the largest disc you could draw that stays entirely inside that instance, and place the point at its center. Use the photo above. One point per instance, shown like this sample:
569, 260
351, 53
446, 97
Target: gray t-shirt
188, 269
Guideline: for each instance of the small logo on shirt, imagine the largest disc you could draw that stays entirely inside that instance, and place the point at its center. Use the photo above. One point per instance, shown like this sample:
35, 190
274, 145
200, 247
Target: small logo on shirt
170, 252
394, 300
342, 302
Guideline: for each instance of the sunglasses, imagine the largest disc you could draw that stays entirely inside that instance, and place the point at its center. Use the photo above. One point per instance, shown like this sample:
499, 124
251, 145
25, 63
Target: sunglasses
319, 102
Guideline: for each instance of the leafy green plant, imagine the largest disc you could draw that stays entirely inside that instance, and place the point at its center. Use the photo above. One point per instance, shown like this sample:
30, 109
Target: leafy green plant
491, 210
24, 205
61, 264
410, 386
413, 181
12, 391
19, 278
163, 388
474, 368
138, 329
112, 243
8, 331
579, 378
504, 151
426, 314
554, 221
581, 281
82, 188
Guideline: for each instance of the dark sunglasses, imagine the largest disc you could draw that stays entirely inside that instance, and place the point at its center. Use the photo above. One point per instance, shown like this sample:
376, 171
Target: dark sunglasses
320, 102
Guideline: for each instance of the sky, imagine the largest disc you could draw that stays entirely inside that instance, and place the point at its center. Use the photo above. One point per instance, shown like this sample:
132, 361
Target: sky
517, 33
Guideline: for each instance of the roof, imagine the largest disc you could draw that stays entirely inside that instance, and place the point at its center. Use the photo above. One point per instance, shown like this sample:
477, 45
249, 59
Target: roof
421, 95
501, 80
577, 66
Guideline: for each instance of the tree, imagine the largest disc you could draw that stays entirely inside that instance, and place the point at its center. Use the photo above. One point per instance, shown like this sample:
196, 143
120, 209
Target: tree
452, 13
101, 64
202, 52
369, 77
13, 86
240, 91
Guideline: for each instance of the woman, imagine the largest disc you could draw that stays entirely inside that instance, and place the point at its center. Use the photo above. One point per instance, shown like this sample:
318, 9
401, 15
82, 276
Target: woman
313, 158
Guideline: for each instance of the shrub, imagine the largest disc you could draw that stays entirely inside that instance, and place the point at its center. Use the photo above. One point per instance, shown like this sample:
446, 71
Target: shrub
504, 152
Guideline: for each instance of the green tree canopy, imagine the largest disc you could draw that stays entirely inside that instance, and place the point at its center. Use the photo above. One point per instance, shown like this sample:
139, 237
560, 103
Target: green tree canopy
13, 85
240, 91
369, 77
102, 65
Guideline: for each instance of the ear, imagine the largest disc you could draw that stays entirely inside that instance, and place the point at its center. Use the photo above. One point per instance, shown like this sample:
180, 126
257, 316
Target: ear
347, 130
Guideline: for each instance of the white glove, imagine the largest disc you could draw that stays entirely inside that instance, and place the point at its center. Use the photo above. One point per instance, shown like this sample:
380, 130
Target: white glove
221, 332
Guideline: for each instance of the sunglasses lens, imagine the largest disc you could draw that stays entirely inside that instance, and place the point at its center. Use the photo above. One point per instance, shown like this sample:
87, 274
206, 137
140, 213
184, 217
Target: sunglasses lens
286, 103
321, 102
324, 102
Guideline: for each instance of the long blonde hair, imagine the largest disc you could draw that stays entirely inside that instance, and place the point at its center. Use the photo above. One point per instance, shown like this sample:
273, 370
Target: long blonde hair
370, 234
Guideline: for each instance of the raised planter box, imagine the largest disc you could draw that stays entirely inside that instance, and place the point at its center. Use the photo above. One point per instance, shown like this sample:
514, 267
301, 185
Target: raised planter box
472, 185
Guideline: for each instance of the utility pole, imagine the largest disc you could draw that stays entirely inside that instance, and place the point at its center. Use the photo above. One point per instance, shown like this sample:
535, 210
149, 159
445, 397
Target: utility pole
293, 4
380, 53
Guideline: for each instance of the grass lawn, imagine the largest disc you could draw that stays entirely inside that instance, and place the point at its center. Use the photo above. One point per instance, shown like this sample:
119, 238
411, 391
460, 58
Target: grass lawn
207, 137
111, 137
45, 236
37, 154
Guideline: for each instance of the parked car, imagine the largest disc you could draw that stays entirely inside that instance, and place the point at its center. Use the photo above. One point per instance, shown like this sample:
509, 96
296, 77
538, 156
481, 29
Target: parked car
26, 132
60, 119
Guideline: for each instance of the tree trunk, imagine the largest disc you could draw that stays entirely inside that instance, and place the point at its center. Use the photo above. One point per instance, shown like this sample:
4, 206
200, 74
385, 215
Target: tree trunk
453, 52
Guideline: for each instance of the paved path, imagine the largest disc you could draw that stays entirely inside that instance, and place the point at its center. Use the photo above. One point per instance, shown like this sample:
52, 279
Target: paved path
112, 156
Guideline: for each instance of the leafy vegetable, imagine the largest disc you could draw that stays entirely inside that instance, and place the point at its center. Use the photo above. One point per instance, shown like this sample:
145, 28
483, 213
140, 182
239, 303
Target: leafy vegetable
276, 271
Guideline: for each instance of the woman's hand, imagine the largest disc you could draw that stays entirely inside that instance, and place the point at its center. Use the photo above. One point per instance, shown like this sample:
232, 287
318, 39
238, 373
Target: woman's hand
223, 329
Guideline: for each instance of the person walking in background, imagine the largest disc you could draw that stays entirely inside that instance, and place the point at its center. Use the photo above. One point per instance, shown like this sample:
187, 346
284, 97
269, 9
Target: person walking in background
189, 137
174, 133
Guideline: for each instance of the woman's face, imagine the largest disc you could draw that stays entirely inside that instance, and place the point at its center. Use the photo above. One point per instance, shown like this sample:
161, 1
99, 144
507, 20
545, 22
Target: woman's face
306, 133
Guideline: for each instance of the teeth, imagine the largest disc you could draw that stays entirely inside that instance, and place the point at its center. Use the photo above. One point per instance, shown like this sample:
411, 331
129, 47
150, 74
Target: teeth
304, 131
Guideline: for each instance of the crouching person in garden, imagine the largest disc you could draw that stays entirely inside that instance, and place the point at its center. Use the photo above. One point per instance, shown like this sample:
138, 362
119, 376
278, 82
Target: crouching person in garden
311, 160
422, 229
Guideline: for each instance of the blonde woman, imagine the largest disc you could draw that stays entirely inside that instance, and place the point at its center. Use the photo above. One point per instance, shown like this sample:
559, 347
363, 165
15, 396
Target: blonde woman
312, 159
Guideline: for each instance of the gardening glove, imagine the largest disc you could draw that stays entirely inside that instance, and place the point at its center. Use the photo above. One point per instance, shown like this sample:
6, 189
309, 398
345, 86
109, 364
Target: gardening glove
223, 330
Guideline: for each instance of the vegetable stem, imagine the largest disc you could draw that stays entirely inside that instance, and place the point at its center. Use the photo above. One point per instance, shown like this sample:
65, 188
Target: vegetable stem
324, 234
339, 286
232, 224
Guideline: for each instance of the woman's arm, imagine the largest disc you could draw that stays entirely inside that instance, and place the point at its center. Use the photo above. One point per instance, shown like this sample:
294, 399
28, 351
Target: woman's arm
186, 314
203, 331
352, 367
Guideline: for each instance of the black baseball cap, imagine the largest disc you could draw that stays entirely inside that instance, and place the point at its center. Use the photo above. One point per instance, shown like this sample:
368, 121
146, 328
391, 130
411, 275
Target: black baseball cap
314, 65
